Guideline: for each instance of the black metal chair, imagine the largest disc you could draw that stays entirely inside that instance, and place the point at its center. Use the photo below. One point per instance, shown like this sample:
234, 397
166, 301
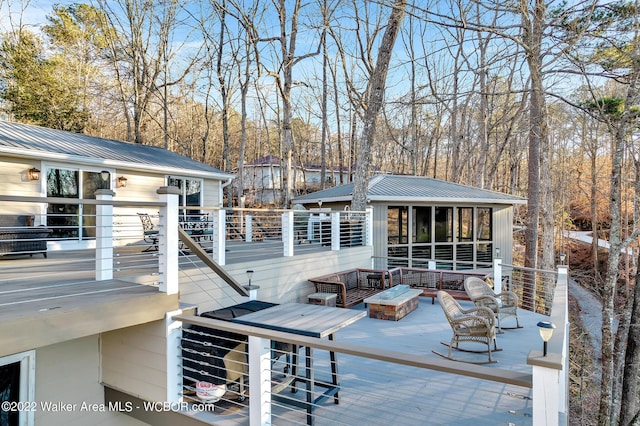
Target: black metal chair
150, 232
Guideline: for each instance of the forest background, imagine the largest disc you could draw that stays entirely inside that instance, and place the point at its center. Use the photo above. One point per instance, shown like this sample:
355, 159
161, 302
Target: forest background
532, 98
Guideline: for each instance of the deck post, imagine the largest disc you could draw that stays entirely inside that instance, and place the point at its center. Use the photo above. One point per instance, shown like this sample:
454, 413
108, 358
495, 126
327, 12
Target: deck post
248, 229
259, 381
287, 233
368, 226
335, 231
219, 235
104, 235
497, 275
168, 239
173, 330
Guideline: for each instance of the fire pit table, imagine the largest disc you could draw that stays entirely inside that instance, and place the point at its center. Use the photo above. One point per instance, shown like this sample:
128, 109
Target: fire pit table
393, 304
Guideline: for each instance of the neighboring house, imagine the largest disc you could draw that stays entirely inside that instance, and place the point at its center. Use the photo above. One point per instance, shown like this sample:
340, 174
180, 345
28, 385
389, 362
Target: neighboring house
422, 222
36, 161
262, 179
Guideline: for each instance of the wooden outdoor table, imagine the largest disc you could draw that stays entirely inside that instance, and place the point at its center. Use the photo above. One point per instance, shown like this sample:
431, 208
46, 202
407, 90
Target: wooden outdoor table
307, 320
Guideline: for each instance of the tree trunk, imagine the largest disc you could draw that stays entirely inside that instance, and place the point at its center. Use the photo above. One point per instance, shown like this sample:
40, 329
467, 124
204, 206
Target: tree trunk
374, 105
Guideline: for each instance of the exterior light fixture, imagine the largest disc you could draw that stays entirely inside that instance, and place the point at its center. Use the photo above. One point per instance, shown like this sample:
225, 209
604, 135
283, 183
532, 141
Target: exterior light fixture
243, 199
497, 252
546, 331
122, 182
252, 289
33, 174
562, 258
320, 203
105, 178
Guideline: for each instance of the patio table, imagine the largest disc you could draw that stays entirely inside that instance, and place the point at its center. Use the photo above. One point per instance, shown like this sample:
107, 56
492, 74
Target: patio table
307, 320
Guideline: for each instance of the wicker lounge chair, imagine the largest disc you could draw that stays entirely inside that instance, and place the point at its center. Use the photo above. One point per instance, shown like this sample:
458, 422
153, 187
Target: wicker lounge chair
472, 325
503, 305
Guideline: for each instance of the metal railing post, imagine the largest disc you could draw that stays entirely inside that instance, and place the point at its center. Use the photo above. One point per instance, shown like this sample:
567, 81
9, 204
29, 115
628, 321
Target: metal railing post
104, 235
168, 239
287, 233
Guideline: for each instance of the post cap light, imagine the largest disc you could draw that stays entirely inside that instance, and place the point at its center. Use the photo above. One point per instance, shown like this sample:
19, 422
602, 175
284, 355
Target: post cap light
562, 258
546, 331
249, 274
497, 252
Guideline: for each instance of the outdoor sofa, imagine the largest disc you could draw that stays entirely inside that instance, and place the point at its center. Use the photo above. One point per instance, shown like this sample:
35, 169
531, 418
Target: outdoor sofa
18, 235
353, 285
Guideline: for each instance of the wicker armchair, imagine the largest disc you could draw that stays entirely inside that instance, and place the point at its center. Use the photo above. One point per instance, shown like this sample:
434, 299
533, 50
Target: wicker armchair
503, 305
472, 325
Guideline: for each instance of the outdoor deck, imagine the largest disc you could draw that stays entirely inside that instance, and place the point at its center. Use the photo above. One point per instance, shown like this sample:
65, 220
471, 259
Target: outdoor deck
376, 392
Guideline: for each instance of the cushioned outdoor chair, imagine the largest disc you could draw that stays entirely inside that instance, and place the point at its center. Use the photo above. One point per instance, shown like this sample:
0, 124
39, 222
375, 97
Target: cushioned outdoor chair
472, 325
503, 305
149, 232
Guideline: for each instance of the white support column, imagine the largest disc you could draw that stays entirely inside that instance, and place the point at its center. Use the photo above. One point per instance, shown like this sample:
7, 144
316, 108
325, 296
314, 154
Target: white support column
249, 229
287, 233
431, 264
104, 235
168, 239
219, 237
563, 399
173, 330
545, 395
259, 381
497, 275
368, 227
335, 231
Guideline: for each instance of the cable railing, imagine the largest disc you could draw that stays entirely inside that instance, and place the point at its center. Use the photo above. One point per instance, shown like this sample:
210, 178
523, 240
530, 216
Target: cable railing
375, 386
534, 287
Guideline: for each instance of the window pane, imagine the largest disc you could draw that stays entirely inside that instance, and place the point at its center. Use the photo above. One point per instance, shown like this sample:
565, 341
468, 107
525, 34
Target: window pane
465, 224
62, 183
485, 223
444, 224
10, 391
193, 192
397, 225
422, 224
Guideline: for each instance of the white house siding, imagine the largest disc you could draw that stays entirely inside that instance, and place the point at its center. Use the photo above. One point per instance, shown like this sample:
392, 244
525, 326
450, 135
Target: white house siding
503, 232
280, 280
13, 175
134, 360
69, 373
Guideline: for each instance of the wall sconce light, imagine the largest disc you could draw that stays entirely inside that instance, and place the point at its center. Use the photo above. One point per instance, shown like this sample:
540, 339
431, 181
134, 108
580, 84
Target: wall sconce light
33, 174
122, 182
546, 331
562, 258
497, 252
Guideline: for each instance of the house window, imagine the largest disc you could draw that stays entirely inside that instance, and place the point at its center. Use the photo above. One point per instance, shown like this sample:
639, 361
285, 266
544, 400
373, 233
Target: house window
397, 225
445, 237
190, 194
73, 220
17, 375
444, 224
465, 224
422, 224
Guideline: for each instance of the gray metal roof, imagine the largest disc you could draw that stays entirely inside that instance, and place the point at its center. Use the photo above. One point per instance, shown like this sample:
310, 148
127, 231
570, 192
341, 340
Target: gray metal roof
395, 188
31, 141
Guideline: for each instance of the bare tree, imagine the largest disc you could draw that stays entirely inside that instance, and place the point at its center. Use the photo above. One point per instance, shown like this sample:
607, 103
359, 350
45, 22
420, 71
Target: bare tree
375, 99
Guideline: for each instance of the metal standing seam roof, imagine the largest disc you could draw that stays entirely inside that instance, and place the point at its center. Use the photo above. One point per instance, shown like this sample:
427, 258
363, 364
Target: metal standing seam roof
412, 188
31, 141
